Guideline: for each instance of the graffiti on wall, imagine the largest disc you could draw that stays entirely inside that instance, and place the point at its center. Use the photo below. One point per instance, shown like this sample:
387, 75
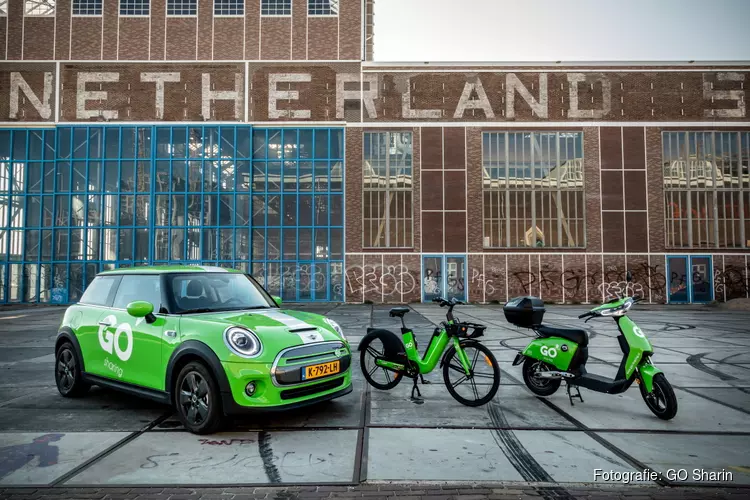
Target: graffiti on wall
731, 281
391, 281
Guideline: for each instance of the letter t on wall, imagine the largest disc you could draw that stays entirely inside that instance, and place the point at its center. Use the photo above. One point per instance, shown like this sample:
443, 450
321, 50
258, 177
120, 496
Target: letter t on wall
160, 79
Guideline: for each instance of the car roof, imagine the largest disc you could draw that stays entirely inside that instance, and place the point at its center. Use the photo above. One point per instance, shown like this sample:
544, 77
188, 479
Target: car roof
168, 269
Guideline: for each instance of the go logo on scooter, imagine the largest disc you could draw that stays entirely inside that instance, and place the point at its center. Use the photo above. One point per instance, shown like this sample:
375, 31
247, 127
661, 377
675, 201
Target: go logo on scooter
550, 352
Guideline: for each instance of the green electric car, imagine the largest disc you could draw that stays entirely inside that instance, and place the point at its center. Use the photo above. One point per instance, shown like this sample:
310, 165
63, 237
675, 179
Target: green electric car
209, 341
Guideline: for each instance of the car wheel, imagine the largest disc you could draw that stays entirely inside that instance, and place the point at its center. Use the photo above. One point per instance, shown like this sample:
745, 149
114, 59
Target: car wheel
197, 399
68, 376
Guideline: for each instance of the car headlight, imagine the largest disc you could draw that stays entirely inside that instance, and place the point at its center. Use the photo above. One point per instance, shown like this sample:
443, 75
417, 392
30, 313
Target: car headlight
242, 342
336, 327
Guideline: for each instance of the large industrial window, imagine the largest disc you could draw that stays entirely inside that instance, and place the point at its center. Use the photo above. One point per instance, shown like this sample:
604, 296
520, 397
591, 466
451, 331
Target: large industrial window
706, 189
39, 8
87, 7
182, 7
78, 200
387, 205
533, 192
276, 7
297, 212
229, 7
322, 7
3, 8
134, 7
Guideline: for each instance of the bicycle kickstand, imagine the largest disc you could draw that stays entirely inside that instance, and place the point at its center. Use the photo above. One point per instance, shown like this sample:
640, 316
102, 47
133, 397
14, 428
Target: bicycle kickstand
418, 398
571, 395
421, 379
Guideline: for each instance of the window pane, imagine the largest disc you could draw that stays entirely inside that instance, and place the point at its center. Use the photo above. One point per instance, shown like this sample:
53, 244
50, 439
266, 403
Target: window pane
134, 7
182, 7
141, 287
87, 7
322, 7
98, 292
276, 7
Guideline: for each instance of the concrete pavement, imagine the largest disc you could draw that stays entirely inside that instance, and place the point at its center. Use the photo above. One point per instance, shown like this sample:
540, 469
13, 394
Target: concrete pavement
115, 441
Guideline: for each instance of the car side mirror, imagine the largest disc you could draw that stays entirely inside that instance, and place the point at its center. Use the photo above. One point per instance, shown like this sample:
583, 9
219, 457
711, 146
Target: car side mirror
277, 300
142, 309
629, 276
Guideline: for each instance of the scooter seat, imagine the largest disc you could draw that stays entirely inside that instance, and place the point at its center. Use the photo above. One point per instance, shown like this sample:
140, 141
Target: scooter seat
578, 336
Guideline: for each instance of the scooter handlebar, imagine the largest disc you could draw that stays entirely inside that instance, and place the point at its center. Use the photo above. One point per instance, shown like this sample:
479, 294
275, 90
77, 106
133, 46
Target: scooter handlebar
585, 315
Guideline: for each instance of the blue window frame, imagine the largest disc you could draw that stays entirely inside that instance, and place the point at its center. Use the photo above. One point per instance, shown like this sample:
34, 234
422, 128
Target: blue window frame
77, 200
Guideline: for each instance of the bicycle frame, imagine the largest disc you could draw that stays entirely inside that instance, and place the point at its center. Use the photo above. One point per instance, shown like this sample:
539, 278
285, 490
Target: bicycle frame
432, 355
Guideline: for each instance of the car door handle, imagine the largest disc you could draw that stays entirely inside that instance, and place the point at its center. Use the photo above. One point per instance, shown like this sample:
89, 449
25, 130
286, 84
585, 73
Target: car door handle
170, 333
104, 323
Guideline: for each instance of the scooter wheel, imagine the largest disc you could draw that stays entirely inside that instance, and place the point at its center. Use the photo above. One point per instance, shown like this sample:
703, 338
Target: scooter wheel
662, 402
538, 385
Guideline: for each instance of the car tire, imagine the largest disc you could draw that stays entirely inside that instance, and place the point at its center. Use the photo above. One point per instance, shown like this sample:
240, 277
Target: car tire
197, 399
68, 374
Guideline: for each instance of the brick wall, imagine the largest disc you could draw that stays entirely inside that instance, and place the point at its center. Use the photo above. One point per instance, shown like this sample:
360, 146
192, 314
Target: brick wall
202, 38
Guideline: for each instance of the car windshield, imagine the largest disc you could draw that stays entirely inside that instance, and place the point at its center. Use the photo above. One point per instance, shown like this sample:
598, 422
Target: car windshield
212, 292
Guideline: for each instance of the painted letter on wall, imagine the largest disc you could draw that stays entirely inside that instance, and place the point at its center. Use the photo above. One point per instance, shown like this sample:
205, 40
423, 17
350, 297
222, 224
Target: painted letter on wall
737, 95
590, 78
466, 102
367, 96
209, 95
83, 95
274, 94
160, 79
513, 84
43, 107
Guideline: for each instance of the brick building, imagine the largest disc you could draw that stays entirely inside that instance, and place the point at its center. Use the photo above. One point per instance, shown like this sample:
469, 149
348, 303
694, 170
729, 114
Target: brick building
259, 134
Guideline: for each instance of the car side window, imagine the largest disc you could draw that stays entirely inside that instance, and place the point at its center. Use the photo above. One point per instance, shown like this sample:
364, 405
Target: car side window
138, 287
98, 292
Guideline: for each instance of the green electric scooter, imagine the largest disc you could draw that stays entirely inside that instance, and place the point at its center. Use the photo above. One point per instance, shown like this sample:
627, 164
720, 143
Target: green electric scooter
559, 354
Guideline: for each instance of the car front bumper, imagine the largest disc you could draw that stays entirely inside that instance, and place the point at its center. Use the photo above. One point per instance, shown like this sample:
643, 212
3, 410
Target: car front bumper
279, 386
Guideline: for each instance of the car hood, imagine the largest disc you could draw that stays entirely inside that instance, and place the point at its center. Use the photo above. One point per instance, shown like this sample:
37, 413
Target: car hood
281, 327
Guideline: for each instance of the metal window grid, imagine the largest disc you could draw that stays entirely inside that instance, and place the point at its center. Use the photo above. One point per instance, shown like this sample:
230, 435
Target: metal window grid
134, 7
533, 190
87, 7
3, 8
77, 200
323, 7
39, 8
706, 183
388, 207
182, 7
276, 7
229, 7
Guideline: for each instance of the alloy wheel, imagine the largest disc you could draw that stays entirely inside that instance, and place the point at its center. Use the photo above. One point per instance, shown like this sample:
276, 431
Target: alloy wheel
66, 369
195, 398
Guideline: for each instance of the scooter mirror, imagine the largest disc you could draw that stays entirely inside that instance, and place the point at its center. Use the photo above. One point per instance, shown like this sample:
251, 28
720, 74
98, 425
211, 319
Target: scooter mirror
629, 277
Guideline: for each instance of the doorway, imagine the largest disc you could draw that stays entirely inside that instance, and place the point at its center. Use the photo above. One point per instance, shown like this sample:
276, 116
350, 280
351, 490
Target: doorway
690, 279
443, 276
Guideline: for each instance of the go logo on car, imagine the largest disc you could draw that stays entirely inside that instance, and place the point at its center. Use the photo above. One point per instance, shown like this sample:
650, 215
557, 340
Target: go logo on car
211, 342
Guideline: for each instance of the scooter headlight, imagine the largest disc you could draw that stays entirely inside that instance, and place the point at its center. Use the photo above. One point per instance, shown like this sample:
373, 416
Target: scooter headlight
337, 328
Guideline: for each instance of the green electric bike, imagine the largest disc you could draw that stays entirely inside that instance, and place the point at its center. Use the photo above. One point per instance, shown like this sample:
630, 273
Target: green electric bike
467, 364
559, 354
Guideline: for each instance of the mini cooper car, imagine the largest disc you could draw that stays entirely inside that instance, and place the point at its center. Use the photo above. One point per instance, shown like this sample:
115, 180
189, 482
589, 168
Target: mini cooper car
209, 341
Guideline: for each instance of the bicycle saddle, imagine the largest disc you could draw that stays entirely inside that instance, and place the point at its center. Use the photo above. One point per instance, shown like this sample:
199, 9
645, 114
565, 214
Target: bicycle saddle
398, 312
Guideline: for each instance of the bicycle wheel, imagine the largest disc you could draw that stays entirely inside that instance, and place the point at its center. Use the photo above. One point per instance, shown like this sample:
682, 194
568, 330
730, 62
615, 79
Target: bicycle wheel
483, 381
377, 376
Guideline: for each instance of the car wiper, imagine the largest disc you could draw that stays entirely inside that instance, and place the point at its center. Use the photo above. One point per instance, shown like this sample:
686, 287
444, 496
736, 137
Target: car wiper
199, 310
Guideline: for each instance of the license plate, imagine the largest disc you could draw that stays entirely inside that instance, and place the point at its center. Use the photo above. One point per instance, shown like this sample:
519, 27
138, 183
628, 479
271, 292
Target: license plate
321, 370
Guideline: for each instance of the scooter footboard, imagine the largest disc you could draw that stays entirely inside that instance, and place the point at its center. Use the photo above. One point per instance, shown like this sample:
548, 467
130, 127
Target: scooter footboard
556, 351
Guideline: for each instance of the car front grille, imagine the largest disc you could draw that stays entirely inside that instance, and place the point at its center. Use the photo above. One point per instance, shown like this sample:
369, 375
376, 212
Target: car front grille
287, 369
311, 389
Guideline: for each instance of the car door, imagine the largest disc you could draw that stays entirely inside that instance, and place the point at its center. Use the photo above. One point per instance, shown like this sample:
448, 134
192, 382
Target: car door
85, 316
130, 347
